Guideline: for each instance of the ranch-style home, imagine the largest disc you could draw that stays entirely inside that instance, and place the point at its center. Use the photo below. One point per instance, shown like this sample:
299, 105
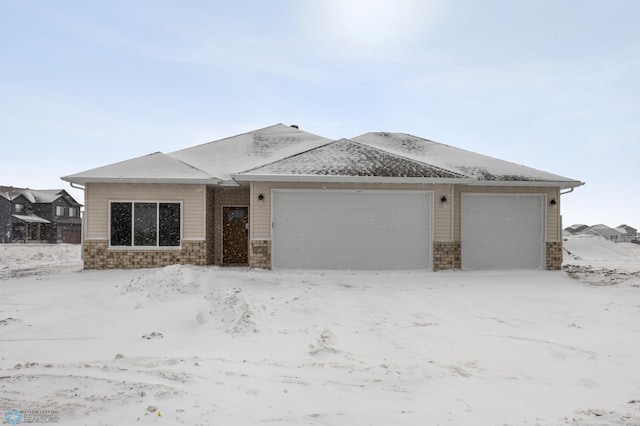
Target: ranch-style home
280, 197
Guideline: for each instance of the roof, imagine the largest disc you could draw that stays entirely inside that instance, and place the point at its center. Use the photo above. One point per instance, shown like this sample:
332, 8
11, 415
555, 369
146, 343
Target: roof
627, 227
281, 152
30, 218
156, 167
604, 228
577, 226
45, 196
225, 157
482, 168
347, 158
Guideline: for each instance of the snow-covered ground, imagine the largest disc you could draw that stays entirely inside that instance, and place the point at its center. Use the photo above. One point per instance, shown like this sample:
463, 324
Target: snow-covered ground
211, 346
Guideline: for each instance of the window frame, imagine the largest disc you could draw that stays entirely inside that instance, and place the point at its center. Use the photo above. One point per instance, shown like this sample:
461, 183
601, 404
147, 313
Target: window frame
158, 236
59, 210
19, 208
72, 212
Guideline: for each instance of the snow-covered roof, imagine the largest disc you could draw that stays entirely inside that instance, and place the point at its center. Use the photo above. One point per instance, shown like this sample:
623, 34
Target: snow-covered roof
30, 218
157, 167
225, 157
281, 152
577, 226
347, 158
601, 228
32, 195
46, 195
10, 193
480, 167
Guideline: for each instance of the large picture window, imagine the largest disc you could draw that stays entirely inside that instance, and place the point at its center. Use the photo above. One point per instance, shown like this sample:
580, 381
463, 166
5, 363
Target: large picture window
145, 224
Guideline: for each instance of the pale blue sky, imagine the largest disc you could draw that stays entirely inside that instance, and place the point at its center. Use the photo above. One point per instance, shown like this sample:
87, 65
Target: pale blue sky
553, 85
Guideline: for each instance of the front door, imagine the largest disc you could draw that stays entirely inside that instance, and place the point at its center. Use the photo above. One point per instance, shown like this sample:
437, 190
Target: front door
235, 235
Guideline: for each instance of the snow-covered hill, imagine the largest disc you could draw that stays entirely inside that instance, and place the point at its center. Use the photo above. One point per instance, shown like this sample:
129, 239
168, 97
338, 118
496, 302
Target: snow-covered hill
595, 260
200, 346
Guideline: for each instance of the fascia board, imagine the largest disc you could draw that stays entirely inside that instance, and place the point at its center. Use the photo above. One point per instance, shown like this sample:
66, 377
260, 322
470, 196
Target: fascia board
525, 183
84, 181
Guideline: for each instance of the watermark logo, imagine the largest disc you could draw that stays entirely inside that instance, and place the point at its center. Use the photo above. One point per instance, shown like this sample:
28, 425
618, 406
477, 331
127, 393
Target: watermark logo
15, 417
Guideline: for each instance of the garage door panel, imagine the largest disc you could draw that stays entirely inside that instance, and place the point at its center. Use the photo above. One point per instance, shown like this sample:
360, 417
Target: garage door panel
355, 240
352, 230
342, 258
501, 231
300, 219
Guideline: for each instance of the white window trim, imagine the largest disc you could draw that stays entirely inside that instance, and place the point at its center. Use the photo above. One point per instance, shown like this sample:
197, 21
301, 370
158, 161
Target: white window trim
156, 247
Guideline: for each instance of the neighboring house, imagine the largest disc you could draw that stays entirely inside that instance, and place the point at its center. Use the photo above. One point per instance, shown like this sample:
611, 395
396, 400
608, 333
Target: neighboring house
629, 233
609, 233
28, 215
280, 197
576, 229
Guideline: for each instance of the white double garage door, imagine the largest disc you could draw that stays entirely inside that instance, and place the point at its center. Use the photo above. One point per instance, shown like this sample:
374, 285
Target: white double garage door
326, 229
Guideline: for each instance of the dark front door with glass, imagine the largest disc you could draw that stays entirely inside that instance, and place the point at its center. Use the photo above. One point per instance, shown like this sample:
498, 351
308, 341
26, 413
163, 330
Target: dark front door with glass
235, 235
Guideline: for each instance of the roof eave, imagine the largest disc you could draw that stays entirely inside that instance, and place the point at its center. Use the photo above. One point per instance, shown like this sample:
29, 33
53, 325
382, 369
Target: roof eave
385, 179
86, 180
544, 183
347, 179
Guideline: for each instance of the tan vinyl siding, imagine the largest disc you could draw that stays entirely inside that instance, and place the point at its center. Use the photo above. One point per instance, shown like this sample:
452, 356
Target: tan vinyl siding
554, 220
260, 216
260, 213
443, 214
98, 195
553, 233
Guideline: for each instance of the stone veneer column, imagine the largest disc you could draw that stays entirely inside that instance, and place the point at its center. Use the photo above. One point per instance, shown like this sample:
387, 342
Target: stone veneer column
554, 256
260, 254
447, 255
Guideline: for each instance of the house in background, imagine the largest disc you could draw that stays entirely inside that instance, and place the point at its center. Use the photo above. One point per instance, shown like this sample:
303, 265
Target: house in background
629, 233
576, 229
605, 231
280, 197
621, 234
29, 215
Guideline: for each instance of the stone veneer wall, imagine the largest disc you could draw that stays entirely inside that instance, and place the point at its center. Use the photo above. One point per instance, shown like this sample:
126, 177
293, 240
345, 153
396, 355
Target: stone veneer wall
554, 256
97, 255
260, 254
447, 255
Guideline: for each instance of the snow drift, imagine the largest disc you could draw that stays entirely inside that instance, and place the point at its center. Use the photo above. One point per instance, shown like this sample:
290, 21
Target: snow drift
193, 345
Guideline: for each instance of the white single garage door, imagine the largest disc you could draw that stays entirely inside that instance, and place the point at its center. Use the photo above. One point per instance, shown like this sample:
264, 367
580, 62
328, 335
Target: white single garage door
502, 231
324, 229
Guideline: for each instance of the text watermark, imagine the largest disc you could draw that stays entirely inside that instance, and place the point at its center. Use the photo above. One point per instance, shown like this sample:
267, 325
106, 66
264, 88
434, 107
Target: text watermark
16, 417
